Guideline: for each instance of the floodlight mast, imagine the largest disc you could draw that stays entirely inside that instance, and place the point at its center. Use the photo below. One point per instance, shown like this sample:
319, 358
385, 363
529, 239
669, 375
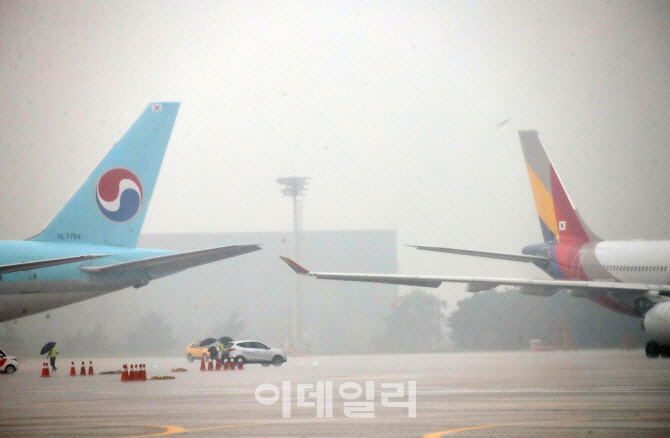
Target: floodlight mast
294, 187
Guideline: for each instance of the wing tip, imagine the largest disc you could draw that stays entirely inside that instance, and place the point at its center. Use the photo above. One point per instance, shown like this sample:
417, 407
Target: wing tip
293, 265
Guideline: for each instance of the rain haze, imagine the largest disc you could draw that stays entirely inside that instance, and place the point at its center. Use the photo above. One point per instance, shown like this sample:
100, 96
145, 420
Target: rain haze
403, 114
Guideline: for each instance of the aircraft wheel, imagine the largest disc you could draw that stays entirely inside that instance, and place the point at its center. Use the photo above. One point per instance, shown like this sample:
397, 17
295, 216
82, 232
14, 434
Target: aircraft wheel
652, 349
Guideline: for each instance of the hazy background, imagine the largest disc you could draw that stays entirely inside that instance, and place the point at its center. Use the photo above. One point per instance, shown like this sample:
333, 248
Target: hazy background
390, 107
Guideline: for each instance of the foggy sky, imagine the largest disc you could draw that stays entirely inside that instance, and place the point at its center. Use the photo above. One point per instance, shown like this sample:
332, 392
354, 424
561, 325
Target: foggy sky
390, 107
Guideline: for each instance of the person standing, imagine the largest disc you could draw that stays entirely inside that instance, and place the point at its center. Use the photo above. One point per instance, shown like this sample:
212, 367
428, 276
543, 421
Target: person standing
213, 352
224, 351
52, 357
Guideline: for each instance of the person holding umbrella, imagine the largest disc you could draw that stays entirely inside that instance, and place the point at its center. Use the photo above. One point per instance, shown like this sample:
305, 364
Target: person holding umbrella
51, 352
212, 350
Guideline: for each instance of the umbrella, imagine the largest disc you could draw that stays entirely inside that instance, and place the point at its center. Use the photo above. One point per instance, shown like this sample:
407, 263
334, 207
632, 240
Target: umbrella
224, 340
207, 341
48, 346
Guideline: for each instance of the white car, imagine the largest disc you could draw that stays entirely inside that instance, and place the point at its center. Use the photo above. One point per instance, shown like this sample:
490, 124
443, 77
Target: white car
256, 352
8, 364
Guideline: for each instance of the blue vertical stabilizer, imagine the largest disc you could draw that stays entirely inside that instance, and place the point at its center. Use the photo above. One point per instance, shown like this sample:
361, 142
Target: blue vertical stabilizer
109, 208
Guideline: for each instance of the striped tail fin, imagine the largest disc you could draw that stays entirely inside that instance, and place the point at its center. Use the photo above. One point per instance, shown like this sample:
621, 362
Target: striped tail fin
109, 208
559, 219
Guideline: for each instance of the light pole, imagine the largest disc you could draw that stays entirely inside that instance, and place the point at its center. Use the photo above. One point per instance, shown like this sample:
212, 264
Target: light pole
294, 187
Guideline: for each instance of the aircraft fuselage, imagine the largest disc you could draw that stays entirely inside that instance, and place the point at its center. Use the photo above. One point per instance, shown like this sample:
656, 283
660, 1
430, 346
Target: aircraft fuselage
616, 261
24, 293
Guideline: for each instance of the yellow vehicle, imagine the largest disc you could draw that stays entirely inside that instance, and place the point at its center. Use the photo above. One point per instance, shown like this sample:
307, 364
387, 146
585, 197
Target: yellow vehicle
194, 351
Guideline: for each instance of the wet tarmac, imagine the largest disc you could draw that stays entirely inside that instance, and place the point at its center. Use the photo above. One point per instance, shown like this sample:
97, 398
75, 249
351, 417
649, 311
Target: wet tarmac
520, 394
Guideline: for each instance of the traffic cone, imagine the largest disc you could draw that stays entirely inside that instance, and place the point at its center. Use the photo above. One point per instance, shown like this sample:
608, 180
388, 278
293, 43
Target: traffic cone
133, 373
202, 363
225, 363
240, 363
90, 368
83, 369
124, 375
143, 372
232, 363
218, 364
45, 370
210, 365
72, 370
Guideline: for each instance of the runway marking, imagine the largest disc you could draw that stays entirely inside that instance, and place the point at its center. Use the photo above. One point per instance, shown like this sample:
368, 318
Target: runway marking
169, 430
554, 404
572, 420
370, 377
172, 430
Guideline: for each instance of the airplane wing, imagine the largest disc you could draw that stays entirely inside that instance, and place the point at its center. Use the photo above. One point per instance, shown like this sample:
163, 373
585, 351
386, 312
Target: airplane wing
493, 255
166, 264
478, 284
27, 266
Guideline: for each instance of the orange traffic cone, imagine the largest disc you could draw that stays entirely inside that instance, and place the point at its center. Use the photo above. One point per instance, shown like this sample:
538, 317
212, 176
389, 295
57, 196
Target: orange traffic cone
83, 369
72, 370
90, 368
143, 372
225, 363
45, 369
124, 376
232, 363
218, 364
133, 373
202, 363
240, 363
210, 365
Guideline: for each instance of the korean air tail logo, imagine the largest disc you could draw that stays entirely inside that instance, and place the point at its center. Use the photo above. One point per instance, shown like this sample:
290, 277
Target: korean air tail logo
119, 194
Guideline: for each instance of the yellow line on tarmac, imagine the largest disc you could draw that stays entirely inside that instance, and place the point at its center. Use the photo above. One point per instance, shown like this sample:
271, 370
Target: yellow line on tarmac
572, 420
446, 432
172, 430
225, 427
169, 430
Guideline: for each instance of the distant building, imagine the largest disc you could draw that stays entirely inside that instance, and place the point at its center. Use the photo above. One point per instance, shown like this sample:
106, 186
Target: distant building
338, 317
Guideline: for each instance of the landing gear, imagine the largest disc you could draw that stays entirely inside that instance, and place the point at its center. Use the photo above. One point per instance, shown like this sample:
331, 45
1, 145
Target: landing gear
653, 350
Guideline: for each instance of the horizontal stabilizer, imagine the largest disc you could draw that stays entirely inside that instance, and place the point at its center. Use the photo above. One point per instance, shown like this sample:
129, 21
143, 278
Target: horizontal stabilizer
166, 264
492, 255
27, 266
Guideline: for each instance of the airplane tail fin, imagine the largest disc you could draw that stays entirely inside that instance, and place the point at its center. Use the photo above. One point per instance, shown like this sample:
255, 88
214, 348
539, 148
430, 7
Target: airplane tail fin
559, 220
109, 208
